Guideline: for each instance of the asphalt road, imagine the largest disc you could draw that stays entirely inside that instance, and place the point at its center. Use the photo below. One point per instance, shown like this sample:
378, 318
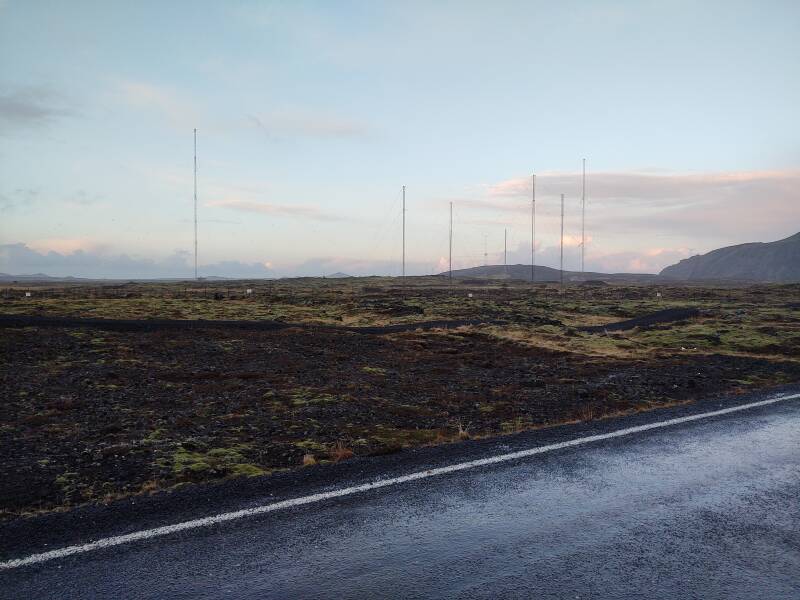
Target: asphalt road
705, 509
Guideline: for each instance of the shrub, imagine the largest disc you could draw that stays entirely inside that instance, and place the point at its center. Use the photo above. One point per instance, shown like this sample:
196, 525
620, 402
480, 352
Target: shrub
340, 452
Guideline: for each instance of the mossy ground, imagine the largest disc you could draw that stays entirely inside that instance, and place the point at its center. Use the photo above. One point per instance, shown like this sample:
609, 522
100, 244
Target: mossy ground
90, 415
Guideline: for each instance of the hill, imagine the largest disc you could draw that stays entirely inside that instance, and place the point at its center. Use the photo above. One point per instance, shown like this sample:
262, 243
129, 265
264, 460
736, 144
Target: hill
545, 274
4, 277
777, 262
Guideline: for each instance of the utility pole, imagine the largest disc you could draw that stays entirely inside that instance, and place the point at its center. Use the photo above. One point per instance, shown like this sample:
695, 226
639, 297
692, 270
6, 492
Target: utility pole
533, 228
404, 235
451, 243
583, 217
561, 267
195, 204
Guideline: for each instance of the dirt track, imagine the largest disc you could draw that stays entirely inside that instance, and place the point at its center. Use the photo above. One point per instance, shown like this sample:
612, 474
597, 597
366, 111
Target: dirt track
134, 325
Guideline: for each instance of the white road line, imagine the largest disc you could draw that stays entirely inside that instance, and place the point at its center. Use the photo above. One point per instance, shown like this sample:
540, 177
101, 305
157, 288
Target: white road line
381, 483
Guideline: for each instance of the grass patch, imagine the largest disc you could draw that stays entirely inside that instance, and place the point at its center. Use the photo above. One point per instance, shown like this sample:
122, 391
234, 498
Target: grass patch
216, 462
374, 370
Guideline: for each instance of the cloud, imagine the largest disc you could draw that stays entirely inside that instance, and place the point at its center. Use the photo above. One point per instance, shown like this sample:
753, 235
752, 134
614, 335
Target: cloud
298, 124
18, 199
30, 107
278, 210
647, 260
85, 260
23, 200
713, 209
163, 100
64, 245
80, 258
651, 260
316, 267
660, 188
184, 113
83, 199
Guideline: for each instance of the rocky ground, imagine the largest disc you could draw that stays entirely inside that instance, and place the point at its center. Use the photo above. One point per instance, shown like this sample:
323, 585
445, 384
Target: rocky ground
92, 415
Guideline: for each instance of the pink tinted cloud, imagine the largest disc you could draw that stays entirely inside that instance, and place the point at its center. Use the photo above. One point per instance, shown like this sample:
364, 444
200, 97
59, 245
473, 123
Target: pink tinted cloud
280, 210
178, 110
644, 186
649, 260
65, 245
716, 208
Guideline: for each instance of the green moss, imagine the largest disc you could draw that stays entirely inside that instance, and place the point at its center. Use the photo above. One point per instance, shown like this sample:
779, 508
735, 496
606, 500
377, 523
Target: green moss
374, 370
217, 462
247, 470
303, 396
66, 481
711, 335
182, 460
154, 436
403, 437
311, 445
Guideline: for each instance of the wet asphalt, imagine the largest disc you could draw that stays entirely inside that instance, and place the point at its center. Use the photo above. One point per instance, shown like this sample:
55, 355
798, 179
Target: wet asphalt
707, 509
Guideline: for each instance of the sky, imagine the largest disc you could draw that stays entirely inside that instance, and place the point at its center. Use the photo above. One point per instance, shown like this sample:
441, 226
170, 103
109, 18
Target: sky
311, 116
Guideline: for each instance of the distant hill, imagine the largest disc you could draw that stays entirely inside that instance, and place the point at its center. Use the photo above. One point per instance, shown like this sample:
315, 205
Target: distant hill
37, 277
757, 261
42, 278
338, 275
545, 274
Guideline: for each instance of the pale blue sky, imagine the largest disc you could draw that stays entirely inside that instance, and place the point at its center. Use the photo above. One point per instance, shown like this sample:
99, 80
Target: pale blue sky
311, 115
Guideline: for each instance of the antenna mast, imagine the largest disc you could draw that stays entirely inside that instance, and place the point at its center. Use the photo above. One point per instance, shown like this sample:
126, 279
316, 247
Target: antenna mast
404, 235
533, 228
583, 216
195, 203
561, 267
451, 242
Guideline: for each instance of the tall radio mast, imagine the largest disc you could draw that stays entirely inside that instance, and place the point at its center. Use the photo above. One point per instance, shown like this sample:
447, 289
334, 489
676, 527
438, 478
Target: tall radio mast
561, 267
195, 203
533, 228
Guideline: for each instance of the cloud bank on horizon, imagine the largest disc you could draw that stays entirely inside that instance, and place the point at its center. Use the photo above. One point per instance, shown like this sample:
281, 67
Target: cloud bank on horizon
311, 116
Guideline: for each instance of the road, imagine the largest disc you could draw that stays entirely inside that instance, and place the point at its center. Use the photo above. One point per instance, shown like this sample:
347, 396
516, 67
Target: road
702, 509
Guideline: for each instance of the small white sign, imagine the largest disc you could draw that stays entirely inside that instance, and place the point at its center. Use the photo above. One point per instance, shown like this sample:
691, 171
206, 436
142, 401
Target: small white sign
27, 294
249, 291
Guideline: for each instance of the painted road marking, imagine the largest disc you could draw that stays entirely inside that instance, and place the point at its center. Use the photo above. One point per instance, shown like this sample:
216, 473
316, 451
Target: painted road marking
381, 483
